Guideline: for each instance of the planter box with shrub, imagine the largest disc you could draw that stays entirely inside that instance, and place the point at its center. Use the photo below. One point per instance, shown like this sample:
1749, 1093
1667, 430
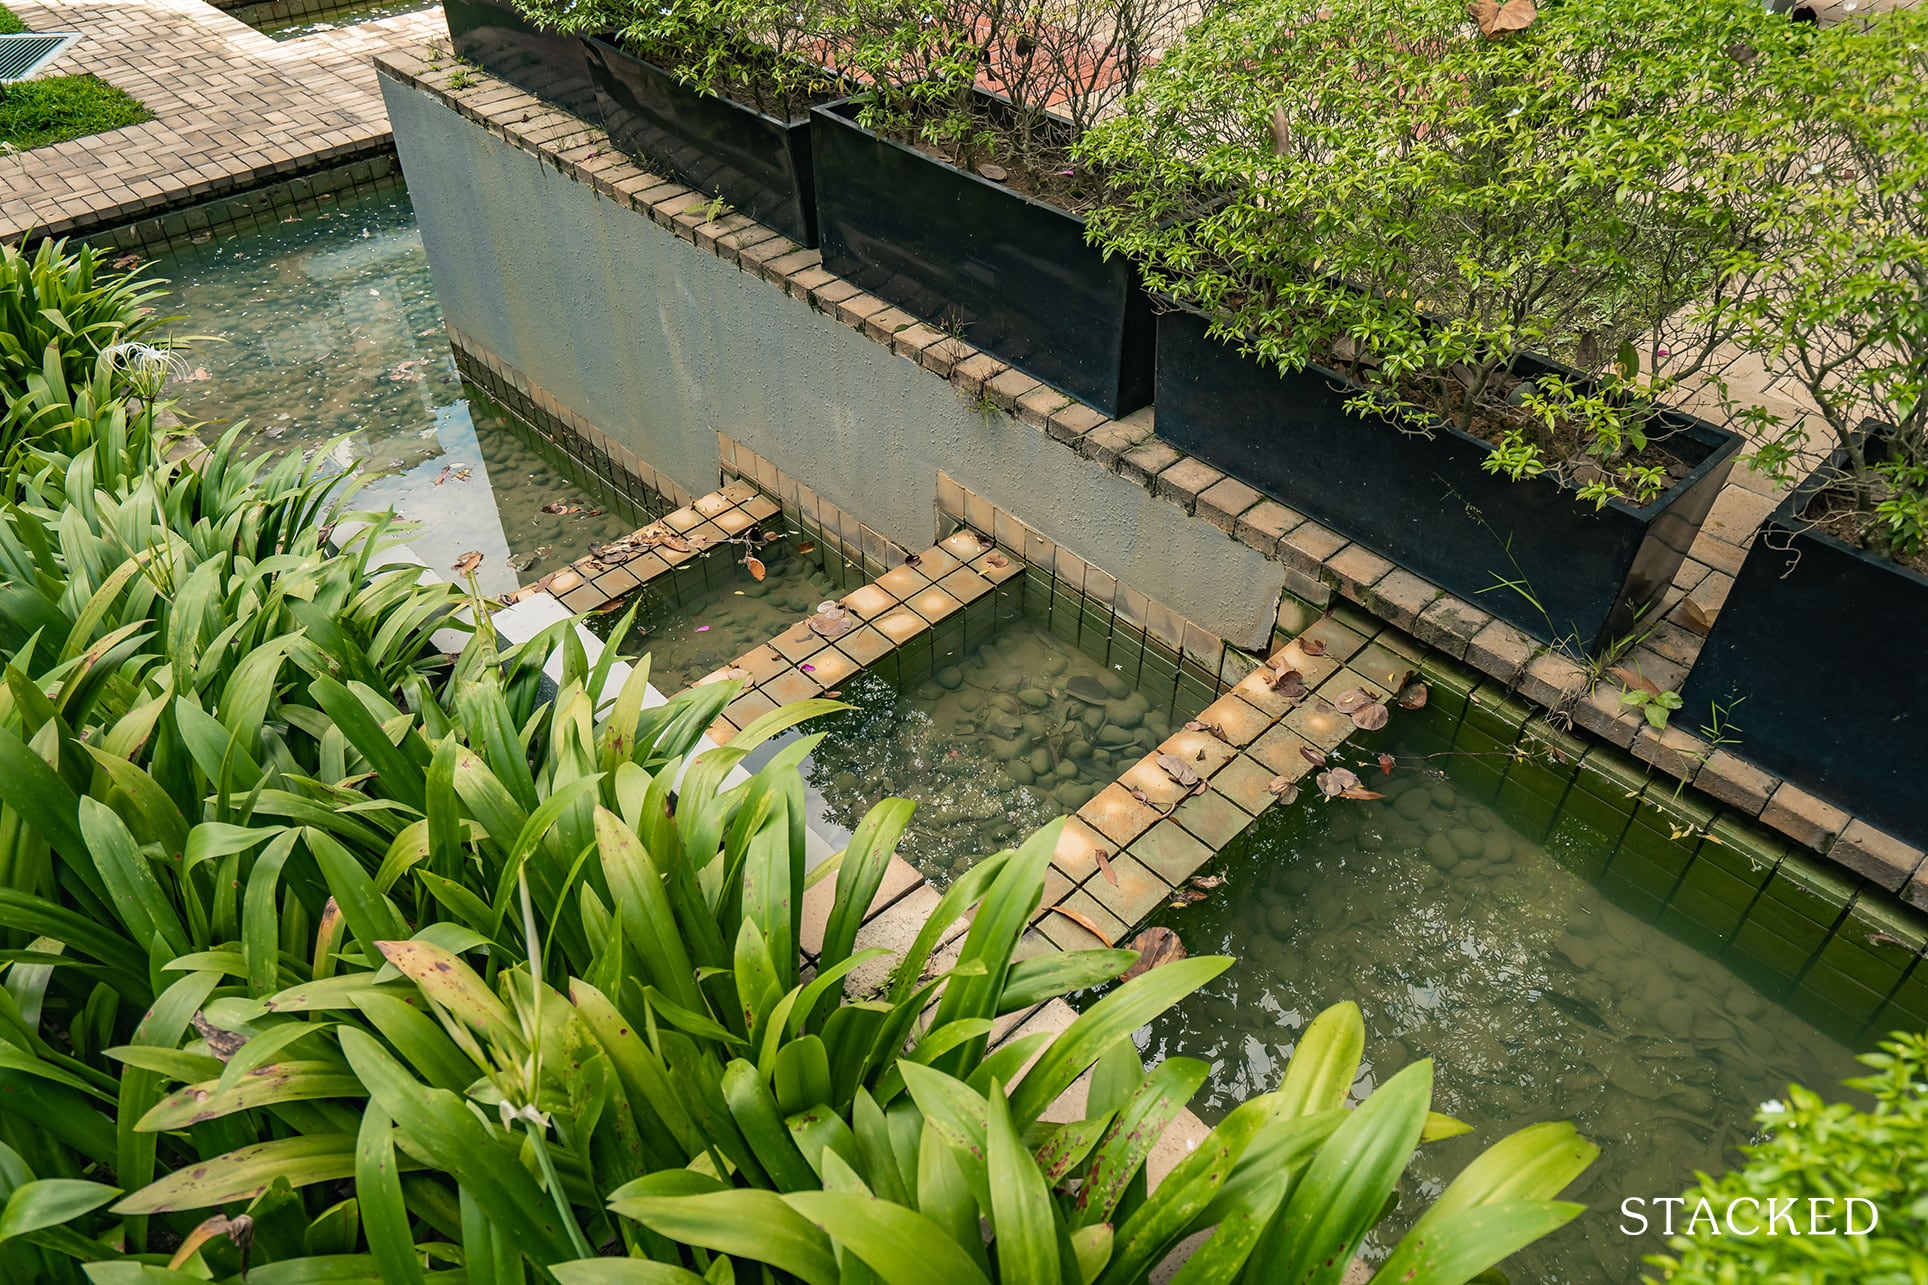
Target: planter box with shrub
1427, 502
1816, 662
758, 163
1008, 273
497, 37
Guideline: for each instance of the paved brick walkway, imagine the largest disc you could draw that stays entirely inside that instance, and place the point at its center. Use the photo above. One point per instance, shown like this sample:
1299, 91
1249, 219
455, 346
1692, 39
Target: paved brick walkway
232, 108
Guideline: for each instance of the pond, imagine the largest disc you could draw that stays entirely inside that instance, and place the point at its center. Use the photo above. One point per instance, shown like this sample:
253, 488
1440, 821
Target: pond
322, 331
1538, 998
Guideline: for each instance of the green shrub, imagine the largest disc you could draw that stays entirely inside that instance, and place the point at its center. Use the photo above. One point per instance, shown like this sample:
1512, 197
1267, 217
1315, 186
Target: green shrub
53, 109
1845, 311
1823, 1150
72, 299
1383, 190
10, 23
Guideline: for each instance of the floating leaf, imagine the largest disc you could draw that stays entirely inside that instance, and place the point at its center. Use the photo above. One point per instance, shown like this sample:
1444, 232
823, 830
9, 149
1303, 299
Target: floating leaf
1155, 947
1414, 695
523, 561
1361, 793
1084, 687
467, 562
559, 508
1386, 763
443, 476
1207, 882
1083, 922
755, 567
1336, 781
1186, 896
1285, 788
808, 546
1369, 718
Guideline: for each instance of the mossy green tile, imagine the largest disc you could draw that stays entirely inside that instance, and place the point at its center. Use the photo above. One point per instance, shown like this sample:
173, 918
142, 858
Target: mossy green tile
1611, 774
1579, 846
1608, 819
1656, 872
1532, 774
1660, 849
1709, 912
1526, 811
1490, 711
1851, 954
1836, 1003
1680, 923
1769, 952
1631, 897
1748, 866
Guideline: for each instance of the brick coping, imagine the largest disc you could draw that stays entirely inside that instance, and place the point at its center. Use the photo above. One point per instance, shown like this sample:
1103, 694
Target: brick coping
233, 110
1318, 561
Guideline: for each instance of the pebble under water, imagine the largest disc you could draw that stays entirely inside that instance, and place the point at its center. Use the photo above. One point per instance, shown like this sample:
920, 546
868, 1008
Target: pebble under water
1537, 998
999, 740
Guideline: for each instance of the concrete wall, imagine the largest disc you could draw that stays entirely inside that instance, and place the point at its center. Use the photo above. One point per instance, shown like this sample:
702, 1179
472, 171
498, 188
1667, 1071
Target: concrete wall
660, 345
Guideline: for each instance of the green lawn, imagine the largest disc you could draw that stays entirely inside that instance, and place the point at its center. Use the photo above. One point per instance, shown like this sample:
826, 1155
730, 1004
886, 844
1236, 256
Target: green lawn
54, 109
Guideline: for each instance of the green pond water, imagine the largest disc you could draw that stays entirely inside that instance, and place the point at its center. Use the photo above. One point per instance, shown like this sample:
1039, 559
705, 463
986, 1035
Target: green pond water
1537, 998
322, 331
991, 746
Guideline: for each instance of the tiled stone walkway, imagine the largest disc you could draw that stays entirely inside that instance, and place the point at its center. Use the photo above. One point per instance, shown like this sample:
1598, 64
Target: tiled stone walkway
1321, 565
232, 109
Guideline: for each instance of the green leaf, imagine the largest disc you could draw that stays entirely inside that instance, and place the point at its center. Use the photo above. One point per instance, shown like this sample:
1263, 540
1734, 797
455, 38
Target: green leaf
743, 1223
1022, 1216
246, 1172
50, 1202
1111, 1019
276, 1082
622, 1271
1325, 1064
864, 862
378, 1188
901, 1245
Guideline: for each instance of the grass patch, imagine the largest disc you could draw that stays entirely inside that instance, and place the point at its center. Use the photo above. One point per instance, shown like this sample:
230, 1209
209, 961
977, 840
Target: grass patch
9, 24
34, 113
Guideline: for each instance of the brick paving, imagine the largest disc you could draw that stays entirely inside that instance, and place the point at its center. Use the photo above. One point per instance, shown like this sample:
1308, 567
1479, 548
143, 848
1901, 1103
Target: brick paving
232, 109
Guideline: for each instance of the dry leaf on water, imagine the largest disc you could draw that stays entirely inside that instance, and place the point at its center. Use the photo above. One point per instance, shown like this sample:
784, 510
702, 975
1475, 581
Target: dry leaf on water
1361, 793
1414, 695
1083, 922
443, 476
557, 507
1155, 946
1498, 19
1386, 763
1207, 882
755, 567
467, 562
1335, 781
1284, 788
1186, 896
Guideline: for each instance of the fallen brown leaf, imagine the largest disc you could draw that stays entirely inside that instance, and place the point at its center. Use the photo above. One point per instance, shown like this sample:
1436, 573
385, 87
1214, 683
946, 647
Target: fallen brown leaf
1085, 923
1155, 946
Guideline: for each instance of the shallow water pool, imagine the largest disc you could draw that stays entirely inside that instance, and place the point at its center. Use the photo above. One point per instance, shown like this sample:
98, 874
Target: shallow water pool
1537, 997
322, 331
999, 739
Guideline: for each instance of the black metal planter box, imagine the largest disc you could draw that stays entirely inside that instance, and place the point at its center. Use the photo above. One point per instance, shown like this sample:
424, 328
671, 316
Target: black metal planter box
758, 163
1012, 274
1426, 503
549, 64
1817, 660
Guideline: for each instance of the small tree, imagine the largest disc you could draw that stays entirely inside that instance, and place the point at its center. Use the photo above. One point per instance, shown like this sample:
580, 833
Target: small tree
1412, 199
1845, 312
